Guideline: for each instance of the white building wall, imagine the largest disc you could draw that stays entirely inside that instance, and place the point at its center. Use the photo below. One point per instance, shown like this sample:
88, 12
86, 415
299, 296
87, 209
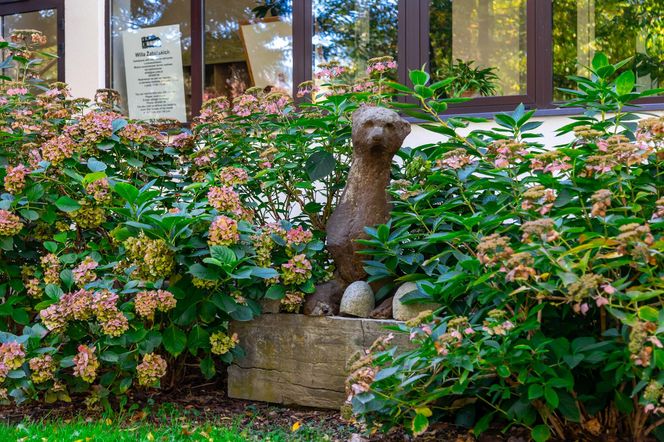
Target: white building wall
85, 58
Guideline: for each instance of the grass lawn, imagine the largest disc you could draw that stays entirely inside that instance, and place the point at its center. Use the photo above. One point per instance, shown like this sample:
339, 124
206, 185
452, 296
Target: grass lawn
108, 431
210, 419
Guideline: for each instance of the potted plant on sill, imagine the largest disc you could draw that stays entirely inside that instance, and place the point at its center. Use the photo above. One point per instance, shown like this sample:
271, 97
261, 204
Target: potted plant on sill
469, 81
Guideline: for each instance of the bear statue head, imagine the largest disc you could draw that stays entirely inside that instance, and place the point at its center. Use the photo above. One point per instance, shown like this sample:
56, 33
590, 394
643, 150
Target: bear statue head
378, 132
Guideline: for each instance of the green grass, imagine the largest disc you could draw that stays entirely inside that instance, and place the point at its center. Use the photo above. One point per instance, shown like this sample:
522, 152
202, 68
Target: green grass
108, 431
172, 423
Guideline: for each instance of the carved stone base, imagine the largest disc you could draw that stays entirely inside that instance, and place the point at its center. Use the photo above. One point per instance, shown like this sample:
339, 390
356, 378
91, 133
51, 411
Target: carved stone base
300, 360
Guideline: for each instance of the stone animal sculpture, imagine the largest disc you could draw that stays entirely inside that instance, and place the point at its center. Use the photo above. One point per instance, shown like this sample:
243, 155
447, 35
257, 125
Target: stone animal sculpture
378, 134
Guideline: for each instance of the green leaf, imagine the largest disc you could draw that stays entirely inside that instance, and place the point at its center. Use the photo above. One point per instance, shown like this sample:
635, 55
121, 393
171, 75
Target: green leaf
551, 396
625, 83
264, 272
276, 292
600, 60
418, 77
95, 166
202, 272
207, 368
175, 340
223, 254
67, 204
420, 424
540, 433
535, 391
319, 165
126, 191
198, 338
648, 313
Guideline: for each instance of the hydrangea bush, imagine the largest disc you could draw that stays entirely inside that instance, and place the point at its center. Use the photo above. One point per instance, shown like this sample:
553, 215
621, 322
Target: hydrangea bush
547, 266
122, 259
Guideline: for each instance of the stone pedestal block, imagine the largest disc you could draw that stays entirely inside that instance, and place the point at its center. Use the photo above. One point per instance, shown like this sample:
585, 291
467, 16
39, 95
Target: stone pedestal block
300, 360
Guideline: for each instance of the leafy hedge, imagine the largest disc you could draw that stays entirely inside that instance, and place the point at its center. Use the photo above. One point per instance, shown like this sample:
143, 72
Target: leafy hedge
124, 254
547, 265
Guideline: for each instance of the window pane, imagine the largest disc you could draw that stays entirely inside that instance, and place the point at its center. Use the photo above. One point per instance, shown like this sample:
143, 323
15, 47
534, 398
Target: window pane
488, 33
135, 15
245, 48
45, 21
354, 31
618, 28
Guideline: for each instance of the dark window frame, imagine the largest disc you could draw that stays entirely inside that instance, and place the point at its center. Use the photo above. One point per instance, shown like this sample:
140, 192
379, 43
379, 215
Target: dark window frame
11, 7
413, 53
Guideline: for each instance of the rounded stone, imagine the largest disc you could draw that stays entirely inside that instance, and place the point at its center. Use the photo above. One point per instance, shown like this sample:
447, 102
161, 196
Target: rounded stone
358, 300
405, 312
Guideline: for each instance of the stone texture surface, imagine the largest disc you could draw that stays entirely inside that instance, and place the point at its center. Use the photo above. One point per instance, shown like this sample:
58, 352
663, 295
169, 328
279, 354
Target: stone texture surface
300, 360
383, 310
358, 300
404, 312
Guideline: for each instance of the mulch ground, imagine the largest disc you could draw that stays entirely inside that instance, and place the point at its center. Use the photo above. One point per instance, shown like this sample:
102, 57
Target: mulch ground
208, 403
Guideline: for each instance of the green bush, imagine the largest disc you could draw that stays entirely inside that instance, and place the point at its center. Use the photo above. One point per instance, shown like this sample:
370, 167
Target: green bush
546, 263
120, 262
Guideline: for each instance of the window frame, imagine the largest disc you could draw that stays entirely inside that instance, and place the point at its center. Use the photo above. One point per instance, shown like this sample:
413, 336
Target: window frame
11, 7
412, 53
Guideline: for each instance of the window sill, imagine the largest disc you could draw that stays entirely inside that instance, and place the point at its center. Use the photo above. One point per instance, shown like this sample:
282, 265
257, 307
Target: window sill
553, 112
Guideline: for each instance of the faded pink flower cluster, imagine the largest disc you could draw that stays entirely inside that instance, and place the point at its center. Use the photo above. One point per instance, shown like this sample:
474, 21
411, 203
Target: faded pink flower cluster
51, 268
496, 323
381, 65
15, 178
298, 236
12, 356
42, 368
84, 272
454, 159
214, 110
223, 232
507, 152
72, 306
245, 105
232, 176
539, 198
57, 149
10, 224
113, 321
151, 370
330, 70
276, 103
306, 88
550, 162
296, 271
225, 199
86, 363
148, 302
457, 329
99, 190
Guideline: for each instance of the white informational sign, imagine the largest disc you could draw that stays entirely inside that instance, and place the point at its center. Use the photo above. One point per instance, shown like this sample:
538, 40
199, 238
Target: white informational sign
153, 67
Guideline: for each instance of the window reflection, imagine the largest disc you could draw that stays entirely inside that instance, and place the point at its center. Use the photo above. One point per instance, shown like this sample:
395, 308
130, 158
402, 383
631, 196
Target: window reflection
45, 21
618, 28
130, 15
490, 33
353, 31
246, 47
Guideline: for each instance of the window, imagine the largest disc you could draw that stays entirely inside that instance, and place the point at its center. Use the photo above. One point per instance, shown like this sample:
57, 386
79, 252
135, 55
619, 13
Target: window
46, 16
226, 46
530, 45
488, 34
245, 48
353, 31
618, 28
